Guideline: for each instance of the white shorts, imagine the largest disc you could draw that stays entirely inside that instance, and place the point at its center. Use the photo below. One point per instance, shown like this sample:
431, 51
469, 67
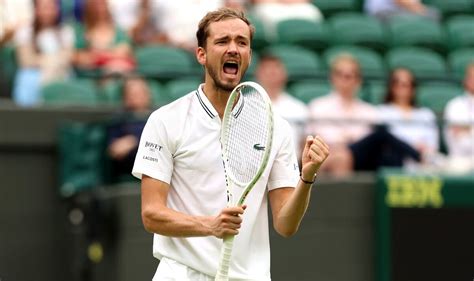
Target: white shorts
171, 270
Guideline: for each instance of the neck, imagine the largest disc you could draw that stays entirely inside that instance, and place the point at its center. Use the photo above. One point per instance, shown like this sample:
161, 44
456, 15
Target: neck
273, 93
404, 106
217, 97
347, 99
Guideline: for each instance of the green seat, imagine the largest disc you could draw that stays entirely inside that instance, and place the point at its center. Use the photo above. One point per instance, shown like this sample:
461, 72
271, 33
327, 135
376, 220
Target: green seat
424, 63
358, 29
111, 92
81, 155
460, 31
260, 39
179, 87
307, 90
416, 31
306, 33
8, 67
163, 62
450, 8
330, 7
372, 64
458, 61
300, 62
158, 93
375, 92
79, 92
435, 95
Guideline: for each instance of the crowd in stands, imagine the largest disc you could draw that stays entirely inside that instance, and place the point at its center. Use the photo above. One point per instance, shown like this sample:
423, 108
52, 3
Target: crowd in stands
371, 111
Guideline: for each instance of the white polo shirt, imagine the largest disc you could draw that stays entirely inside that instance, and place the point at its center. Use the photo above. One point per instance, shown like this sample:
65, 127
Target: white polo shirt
180, 146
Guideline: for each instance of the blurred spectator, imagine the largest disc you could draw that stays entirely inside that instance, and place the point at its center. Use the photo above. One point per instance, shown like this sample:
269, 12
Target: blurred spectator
414, 125
385, 9
178, 19
136, 17
408, 135
145, 31
14, 14
241, 5
125, 13
271, 74
270, 12
459, 132
124, 133
72, 10
340, 117
43, 50
100, 45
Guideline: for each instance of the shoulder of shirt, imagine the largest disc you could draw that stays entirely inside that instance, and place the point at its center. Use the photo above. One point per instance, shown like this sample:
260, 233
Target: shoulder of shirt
294, 102
173, 110
453, 103
329, 97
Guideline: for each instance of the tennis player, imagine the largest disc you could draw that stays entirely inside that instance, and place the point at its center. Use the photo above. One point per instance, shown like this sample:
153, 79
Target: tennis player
183, 181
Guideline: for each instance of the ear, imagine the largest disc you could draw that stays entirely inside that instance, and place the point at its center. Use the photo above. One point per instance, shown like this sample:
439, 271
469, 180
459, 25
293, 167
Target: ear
201, 55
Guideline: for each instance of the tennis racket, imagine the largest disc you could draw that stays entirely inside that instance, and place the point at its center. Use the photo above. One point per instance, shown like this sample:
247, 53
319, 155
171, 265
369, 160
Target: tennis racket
246, 141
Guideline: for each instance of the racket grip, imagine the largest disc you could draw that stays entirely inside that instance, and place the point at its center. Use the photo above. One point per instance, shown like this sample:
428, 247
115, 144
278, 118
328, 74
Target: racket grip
224, 261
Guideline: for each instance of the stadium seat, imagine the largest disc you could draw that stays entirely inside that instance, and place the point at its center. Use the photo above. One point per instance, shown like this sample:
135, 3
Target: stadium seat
163, 62
260, 39
305, 33
8, 67
111, 92
80, 92
81, 155
372, 64
460, 30
358, 29
424, 63
300, 63
435, 95
458, 60
375, 91
330, 7
179, 87
416, 31
158, 93
449, 8
307, 90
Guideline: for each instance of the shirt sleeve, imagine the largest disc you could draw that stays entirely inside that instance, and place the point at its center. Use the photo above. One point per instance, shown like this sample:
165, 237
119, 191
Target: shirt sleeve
285, 169
154, 156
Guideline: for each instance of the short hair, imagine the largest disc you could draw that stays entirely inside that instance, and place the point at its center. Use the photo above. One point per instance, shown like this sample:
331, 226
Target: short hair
218, 15
345, 57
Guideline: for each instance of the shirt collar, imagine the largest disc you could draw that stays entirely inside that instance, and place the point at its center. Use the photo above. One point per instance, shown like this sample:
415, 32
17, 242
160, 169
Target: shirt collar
205, 103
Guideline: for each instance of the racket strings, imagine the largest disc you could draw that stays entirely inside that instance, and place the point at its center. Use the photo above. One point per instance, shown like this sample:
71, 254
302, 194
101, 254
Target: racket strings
247, 135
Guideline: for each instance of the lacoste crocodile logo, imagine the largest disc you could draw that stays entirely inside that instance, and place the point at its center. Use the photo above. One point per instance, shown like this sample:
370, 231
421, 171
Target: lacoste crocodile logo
258, 146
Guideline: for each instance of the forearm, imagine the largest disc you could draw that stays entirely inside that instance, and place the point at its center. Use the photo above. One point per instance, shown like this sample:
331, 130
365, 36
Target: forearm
168, 222
27, 57
293, 210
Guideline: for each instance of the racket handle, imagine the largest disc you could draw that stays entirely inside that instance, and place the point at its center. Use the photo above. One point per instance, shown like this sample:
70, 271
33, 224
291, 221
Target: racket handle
224, 263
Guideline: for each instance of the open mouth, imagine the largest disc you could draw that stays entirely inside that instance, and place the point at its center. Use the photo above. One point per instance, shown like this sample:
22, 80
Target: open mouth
231, 67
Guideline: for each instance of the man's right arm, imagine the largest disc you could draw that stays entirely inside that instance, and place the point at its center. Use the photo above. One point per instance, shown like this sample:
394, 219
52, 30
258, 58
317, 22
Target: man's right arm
158, 218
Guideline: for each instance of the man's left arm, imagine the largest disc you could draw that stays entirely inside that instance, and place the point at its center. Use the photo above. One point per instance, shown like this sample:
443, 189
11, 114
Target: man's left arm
289, 204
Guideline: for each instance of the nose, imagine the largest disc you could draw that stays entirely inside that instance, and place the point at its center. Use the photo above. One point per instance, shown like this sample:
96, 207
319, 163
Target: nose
232, 49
